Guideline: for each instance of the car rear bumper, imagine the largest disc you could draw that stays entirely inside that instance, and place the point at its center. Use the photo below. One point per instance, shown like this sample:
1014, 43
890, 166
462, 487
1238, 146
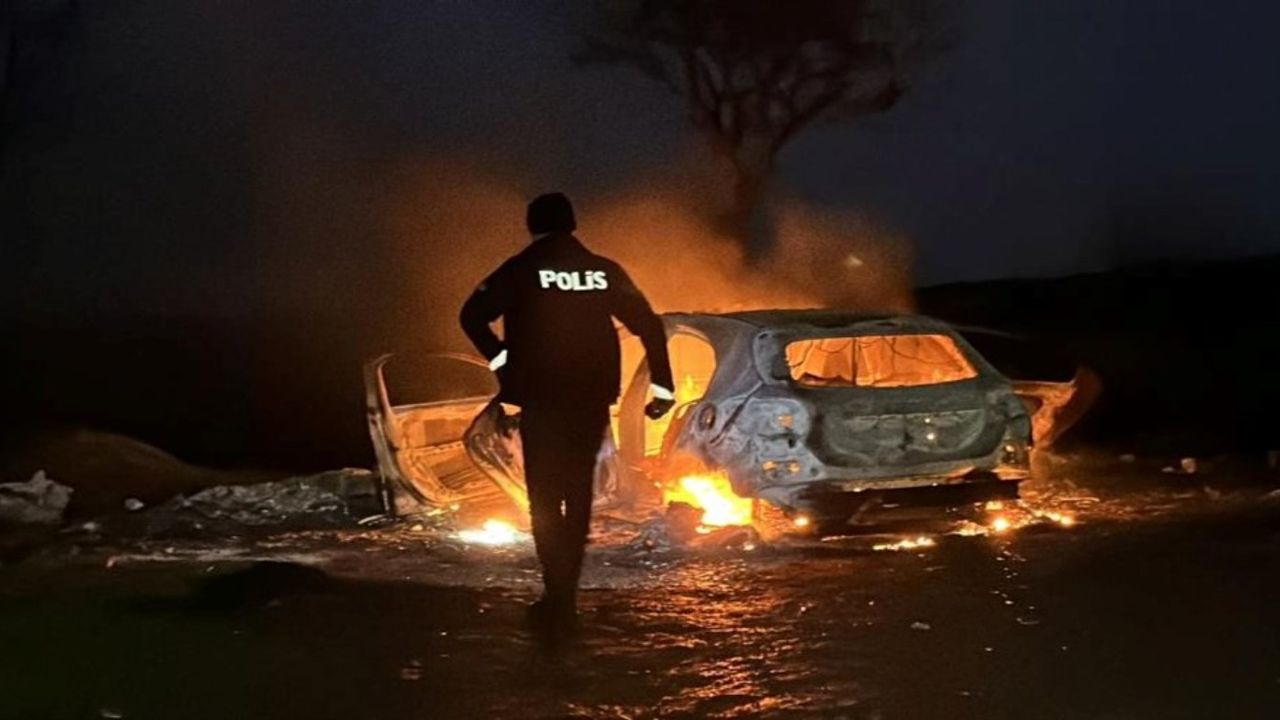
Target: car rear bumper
1000, 466
913, 509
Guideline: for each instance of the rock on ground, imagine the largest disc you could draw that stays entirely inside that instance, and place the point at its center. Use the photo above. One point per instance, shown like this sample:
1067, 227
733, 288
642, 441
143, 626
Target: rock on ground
36, 501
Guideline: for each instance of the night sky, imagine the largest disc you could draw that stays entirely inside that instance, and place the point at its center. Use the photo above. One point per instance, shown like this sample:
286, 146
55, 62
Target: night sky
220, 157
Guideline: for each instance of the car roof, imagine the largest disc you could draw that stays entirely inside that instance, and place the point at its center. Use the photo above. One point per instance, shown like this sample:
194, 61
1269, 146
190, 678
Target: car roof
816, 317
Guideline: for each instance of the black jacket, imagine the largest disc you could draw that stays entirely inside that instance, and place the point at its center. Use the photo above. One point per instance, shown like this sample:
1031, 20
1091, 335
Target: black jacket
557, 300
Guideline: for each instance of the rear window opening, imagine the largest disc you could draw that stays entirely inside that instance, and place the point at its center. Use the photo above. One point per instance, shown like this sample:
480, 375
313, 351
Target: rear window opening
882, 361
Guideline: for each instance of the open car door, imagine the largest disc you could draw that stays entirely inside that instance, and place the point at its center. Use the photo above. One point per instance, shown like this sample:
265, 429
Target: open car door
1057, 390
646, 445
454, 453
420, 447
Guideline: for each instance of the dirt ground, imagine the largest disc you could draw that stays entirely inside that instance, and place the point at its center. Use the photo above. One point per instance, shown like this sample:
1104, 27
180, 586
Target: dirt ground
1159, 601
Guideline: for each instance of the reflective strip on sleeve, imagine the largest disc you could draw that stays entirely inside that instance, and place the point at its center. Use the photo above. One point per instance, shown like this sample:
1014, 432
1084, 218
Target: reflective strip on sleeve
498, 361
661, 393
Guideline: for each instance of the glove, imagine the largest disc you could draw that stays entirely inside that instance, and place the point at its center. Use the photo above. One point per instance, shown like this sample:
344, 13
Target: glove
658, 407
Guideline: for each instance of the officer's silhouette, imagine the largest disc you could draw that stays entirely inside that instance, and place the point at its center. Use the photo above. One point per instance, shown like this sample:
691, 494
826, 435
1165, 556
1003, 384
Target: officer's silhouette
559, 362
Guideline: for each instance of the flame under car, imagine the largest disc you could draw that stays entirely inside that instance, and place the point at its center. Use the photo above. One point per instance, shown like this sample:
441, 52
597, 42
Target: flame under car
821, 416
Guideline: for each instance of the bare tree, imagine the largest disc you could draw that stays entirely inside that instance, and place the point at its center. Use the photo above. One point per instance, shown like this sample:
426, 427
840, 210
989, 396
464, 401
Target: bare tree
757, 72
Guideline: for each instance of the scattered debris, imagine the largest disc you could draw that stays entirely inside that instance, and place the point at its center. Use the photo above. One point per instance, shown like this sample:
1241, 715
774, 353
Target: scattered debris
682, 522
682, 526
738, 536
1186, 466
263, 504
411, 670
38, 501
338, 497
133, 504
1004, 517
911, 543
653, 537
917, 625
378, 520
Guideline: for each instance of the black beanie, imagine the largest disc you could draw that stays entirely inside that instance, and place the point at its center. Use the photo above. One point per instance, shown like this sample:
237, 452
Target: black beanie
550, 213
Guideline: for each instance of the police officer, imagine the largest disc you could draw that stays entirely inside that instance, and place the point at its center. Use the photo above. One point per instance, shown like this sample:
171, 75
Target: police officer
559, 362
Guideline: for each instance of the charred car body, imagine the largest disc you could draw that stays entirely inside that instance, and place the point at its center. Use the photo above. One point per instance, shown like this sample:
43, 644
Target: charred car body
819, 413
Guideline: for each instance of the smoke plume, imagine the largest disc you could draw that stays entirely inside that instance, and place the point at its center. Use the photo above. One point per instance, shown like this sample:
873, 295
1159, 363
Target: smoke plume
447, 235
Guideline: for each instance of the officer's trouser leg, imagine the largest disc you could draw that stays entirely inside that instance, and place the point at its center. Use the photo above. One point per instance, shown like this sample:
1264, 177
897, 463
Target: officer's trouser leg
561, 440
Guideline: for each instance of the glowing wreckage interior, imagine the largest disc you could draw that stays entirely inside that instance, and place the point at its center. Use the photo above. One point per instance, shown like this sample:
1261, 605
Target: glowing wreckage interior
877, 361
791, 412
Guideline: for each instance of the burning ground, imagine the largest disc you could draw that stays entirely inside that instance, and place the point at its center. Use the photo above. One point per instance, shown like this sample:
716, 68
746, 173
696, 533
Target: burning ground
1156, 599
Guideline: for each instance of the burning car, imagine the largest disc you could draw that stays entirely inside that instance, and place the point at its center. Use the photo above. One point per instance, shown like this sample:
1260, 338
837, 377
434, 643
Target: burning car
821, 416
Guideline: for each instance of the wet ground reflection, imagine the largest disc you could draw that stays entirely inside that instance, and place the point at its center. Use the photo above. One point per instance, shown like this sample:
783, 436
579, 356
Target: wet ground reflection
1156, 603
735, 644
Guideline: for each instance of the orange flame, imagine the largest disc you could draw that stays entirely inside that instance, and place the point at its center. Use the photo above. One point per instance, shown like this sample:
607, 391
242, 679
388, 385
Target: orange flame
493, 532
712, 494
